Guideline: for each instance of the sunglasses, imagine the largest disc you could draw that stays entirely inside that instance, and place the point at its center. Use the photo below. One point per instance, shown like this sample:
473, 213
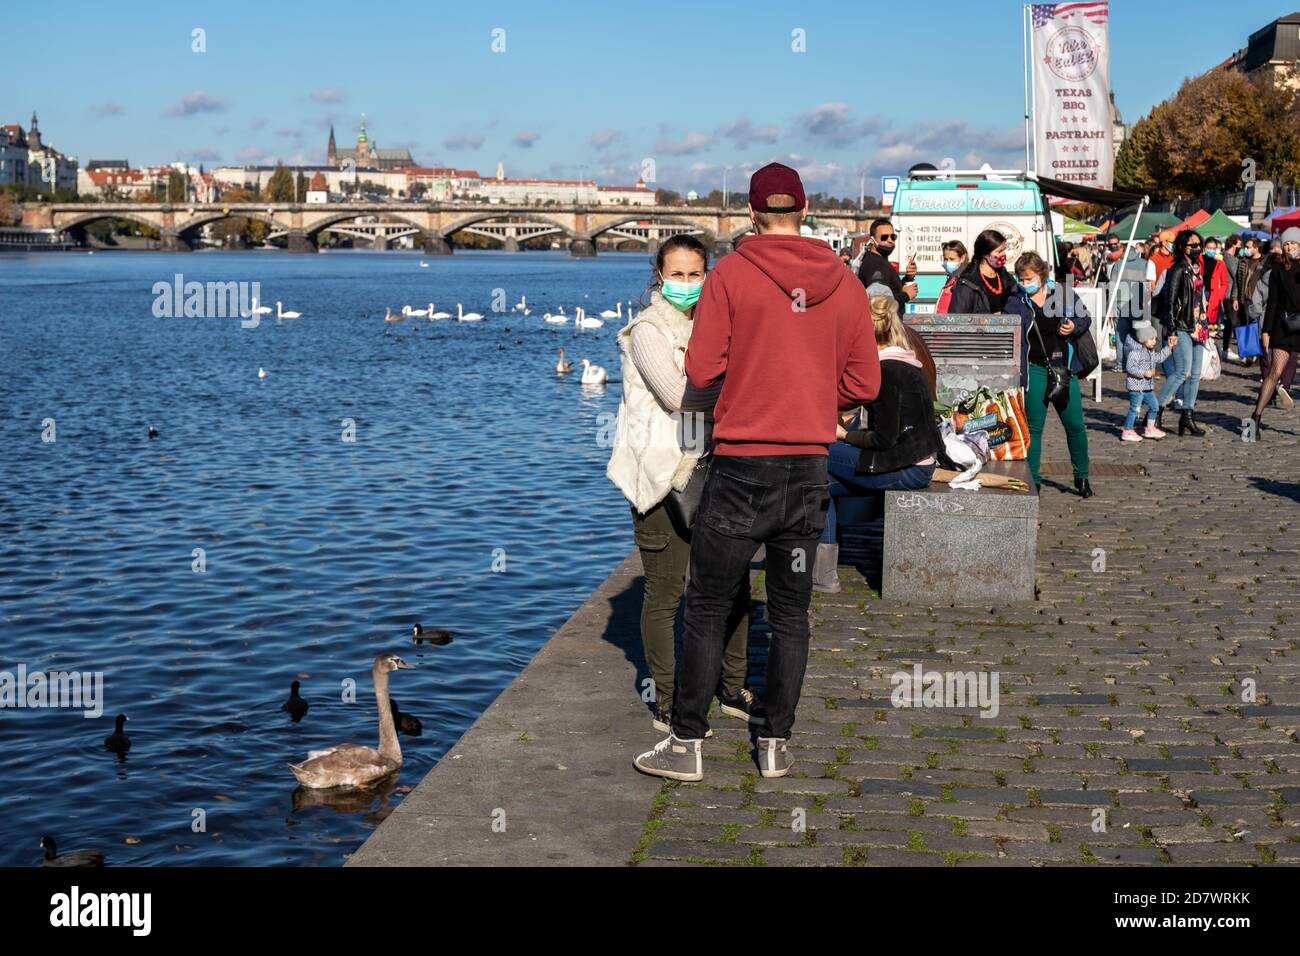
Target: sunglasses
889, 238
1192, 248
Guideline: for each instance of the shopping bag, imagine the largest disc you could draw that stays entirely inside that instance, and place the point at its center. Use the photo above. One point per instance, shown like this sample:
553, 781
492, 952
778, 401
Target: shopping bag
1001, 414
1210, 364
1248, 344
1107, 352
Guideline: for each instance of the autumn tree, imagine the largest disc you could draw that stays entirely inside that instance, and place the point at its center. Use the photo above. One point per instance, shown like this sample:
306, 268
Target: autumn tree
279, 188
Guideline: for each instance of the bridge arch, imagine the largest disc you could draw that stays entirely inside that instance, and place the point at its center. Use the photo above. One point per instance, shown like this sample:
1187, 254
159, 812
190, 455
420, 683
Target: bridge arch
189, 228
326, 221
78, 222
703, 230
448, 231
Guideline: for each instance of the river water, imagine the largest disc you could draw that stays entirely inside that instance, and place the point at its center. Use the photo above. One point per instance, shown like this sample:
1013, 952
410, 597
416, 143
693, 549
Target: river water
473, 498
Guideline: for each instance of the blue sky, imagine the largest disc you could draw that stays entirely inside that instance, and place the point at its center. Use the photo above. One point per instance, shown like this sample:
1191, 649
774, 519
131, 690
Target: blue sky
581, 88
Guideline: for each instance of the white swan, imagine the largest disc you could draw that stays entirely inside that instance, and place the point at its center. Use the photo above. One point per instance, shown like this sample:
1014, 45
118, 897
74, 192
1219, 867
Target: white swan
522, 305
281, 314
593, 374
437, 315
586, 322
261, 373
414, 313
389, 317
612, 314
260, 309
563, 367
560, 319
423, 264
463, 316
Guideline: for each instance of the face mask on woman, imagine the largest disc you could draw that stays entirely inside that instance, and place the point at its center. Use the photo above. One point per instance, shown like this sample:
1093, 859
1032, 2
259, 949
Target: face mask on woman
1294, 253
996, 260
1212, 253
682, 294
951, 266
1031, 287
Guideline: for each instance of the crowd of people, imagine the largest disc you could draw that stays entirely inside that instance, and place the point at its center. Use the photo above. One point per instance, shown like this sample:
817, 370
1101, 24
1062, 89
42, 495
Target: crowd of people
757, 395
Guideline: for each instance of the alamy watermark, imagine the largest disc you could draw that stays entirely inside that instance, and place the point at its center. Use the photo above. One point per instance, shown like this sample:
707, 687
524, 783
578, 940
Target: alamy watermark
177, 298
82, 690
946, 689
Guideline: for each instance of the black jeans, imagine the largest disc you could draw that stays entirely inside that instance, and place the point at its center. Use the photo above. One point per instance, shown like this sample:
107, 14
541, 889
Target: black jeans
779, 502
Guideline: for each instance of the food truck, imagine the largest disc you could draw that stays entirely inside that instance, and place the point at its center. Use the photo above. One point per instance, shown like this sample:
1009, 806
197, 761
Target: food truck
934, 206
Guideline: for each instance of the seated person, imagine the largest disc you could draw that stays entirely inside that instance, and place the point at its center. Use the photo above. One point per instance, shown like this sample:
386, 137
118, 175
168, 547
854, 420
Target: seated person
897, 449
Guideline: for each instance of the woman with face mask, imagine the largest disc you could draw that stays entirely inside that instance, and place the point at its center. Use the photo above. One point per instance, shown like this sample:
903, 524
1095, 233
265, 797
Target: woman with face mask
955, 259
984, 286
1281, 331
664, 428
1182, 294
1049, 325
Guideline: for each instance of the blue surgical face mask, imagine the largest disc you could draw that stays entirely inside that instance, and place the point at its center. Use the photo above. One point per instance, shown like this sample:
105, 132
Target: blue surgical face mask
1031, 287
1212, 253
1051, 285
951, 266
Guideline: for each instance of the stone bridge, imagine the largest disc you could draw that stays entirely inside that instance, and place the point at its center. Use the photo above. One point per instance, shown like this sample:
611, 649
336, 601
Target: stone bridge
179, 224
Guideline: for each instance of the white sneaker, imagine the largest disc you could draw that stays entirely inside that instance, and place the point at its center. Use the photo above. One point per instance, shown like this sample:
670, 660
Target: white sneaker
1130, 435
1284, 397
673, 758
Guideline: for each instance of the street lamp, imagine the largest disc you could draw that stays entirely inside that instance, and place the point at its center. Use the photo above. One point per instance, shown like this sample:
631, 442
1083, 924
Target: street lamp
725, 170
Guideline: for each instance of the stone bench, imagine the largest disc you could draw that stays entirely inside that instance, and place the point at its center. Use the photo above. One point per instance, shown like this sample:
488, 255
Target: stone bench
943, 546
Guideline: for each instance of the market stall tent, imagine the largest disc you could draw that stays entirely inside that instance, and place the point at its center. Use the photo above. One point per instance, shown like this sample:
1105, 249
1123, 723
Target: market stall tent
1218, 225
1192, 221
1286, 220
1148, 223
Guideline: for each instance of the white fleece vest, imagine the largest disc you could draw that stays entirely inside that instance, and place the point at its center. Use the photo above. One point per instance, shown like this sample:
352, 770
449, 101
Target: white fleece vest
648, 459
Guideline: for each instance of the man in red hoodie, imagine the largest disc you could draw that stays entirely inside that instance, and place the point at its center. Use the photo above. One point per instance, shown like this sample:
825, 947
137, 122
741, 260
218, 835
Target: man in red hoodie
787, 331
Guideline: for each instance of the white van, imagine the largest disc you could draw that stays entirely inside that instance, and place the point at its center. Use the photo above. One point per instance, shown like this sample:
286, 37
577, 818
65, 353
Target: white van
932, 207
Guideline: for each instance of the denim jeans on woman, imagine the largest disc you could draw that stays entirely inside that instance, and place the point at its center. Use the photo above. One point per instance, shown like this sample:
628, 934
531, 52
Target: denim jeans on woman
776, 501
845, 481
1183, 373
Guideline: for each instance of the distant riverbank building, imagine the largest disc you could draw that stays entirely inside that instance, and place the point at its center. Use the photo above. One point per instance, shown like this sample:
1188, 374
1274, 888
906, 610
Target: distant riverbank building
366, 155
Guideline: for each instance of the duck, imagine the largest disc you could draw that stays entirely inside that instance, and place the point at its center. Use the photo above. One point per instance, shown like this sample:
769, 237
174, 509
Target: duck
463, 316
82, 858
153, 432
117, 741
281, 314
295, 706
437, 315
435, 635
593, 374
261, 372
613, 313
586, 322
390, 317
351, 765
414, 313
563, 367
407, 724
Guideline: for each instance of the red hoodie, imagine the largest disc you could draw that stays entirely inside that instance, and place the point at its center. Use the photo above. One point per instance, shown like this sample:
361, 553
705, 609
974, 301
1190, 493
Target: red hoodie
785, 372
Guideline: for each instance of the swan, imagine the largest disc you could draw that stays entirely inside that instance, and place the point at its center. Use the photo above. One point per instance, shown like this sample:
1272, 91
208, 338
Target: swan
407, 724
260, 309
281, 314
522, 305
434, 635
437, 315
389, 317
563, 367
117, 741
593, 374
612, 314
83, 858
583, 321
411, 313
423, 264
295, 706
261, 373
463, 316
351, 765
559, 319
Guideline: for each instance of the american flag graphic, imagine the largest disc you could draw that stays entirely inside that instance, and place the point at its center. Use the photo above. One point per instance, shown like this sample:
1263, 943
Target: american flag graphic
1044, 13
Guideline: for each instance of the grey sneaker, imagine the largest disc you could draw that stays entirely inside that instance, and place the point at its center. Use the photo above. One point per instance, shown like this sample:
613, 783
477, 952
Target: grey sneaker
774, 758
673, 758
1284, 397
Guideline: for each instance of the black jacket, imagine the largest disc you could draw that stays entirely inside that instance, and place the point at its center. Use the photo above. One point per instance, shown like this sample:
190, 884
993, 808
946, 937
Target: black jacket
1176, 305
876, 268
970, 297
901, 428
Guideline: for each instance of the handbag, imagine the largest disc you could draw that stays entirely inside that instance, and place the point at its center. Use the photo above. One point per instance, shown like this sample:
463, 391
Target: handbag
683, 505
1248, 344
1057, 392
1085, 347
1289, 322
1109, 351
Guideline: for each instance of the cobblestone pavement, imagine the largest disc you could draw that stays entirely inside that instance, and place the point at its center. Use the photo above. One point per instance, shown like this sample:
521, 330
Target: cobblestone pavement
1149, 700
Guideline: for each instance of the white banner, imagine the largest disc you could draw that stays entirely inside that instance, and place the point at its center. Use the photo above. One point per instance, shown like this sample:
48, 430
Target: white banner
1071, 66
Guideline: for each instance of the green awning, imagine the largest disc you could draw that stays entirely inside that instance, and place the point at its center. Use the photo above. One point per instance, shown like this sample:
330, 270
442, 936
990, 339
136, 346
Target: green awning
1149, 223
1073, 227
1219, 226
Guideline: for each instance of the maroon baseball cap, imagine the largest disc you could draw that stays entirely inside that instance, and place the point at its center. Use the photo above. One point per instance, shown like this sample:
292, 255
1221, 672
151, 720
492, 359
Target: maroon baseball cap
772, 180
